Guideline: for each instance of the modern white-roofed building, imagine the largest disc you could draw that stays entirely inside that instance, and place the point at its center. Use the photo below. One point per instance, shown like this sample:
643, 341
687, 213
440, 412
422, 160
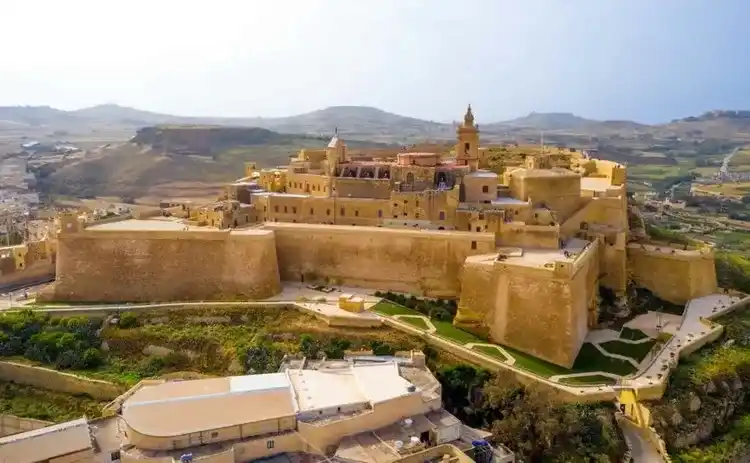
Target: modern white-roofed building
370, 410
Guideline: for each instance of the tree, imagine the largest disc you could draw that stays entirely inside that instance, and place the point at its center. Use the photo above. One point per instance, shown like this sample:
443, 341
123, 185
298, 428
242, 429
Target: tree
336, 348
308, 346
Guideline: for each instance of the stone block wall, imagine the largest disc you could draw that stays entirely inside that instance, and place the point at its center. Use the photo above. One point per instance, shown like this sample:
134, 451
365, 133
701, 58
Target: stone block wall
415, 261
151, 266
675, 275
540, 311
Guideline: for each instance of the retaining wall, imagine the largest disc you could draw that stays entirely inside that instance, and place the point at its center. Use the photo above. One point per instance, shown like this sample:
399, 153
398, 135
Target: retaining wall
58, 381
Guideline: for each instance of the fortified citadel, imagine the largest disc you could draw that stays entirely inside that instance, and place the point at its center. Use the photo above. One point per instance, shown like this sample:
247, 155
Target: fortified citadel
524, 247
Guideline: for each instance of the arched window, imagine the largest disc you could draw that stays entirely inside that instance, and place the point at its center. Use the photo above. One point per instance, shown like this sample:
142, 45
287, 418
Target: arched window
409, 178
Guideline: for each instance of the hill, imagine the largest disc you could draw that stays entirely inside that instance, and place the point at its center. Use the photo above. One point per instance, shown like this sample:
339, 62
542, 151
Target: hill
363, 122
185, 161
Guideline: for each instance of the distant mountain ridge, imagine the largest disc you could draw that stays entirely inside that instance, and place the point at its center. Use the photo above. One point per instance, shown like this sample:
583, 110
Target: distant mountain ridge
362, 122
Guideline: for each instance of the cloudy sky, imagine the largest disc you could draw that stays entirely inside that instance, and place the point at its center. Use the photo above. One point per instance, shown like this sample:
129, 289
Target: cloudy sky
647, 60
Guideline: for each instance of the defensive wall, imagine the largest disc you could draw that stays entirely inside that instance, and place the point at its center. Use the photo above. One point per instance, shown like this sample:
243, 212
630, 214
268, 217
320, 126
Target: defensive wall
52, 380
544, 310
675, 275
420, 262
37, 273
120, 264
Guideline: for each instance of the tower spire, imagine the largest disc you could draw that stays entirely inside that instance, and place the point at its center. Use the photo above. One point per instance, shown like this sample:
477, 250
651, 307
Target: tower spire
469, 117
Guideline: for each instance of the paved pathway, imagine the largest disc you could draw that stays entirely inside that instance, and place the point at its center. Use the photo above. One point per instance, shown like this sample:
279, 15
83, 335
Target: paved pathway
642, 450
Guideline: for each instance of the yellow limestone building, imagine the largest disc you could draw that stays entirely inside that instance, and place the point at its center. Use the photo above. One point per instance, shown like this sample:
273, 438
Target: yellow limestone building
524, 248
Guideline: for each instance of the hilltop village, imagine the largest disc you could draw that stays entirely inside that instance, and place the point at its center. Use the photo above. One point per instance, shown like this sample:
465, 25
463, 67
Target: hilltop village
524, 245
524, 251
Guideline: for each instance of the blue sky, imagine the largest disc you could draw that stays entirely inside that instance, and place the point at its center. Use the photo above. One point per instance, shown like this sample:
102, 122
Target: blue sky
646, 60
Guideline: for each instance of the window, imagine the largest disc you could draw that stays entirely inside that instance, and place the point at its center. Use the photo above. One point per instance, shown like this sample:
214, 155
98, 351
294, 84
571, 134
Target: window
442, 215
356, 213
479, 229
294, 210
342, 212
485, 189
269, 444
467, 147
265, 209
468, 227
312, 212
214, 435
285, 210
328, 212
473, 245
380, 214
276, 208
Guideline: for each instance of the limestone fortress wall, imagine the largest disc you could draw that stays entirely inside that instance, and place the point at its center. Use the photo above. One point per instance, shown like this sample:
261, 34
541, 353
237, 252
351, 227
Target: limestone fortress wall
163, 265
415, 261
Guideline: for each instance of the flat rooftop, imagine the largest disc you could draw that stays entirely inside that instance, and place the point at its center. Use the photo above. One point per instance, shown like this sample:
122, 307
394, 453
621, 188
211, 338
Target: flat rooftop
165, 225
595, 184
348, 386
46, 443
138, 224
539, 257
181, 407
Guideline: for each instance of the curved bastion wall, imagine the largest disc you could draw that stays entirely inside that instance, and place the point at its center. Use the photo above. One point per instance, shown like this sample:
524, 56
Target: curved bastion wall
105, 265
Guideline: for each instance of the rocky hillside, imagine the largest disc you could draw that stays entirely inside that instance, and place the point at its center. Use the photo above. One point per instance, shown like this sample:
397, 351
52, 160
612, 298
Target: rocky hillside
705, 415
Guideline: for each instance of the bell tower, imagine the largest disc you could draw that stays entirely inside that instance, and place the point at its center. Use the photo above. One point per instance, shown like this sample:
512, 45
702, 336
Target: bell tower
467, 148
335, 152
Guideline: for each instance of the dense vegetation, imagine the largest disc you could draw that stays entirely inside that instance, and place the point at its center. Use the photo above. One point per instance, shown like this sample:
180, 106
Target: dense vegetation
41, 404
437, 309
715, 380
65, 343
530, 420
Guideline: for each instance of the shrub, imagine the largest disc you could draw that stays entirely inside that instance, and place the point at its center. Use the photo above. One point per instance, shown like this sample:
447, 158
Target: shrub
128, 320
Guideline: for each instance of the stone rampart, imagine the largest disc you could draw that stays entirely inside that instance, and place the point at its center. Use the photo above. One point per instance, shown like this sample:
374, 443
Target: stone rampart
149, 266
38, 273
415, 261
675, 275
58, 381
541, 311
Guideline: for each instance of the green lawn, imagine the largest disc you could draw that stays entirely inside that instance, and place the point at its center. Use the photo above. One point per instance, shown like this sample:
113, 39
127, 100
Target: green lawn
447, 330
633, 335
588, 380
417, 322
590, 359
635, 351
386, 307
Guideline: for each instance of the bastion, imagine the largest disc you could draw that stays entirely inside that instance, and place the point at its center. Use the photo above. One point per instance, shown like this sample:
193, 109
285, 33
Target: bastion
152, 260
